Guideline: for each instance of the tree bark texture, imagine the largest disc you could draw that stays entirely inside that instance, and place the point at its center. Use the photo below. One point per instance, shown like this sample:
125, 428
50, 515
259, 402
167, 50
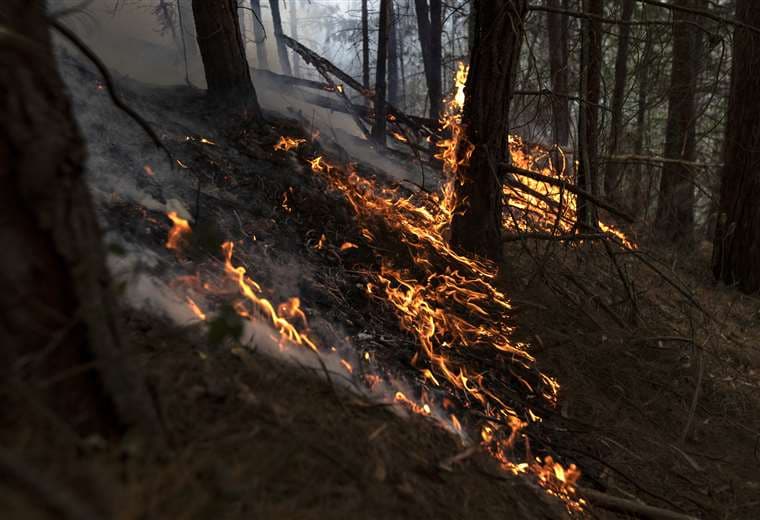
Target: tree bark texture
675, 208
227, 73
58, 317
365, 45
430, 28
736, 257
612, 177
393, 72
558, 67
476, 226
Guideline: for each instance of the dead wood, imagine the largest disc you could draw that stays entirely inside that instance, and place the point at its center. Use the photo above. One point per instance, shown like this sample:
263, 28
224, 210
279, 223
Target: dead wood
631, 507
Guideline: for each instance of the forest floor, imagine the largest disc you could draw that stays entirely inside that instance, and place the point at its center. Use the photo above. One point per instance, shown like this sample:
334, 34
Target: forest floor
659, 392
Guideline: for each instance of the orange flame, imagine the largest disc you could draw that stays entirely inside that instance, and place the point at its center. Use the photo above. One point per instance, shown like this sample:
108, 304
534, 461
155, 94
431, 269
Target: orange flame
179, 230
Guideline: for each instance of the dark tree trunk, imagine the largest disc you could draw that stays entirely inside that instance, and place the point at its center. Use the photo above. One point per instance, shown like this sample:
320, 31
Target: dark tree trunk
58, 316
378, 129
558, 55
639, 199
294, 34
282, 50
393, 73
259, 34
476, 226
588, 120
227, 73
675, 208
612, 176
430, 27
736, 257
365, 45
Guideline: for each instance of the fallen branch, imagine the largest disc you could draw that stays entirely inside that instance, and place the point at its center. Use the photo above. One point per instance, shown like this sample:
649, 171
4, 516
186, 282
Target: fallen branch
631, 507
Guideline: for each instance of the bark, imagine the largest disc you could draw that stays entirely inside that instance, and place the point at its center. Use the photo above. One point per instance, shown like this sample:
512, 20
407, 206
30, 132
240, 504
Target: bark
736, 254
365, 45
282, 51
58, 316
639, 200
378, 129
675, 208
612, 176
430, 28
476, 226
227, 73
393, 72
294, 34
558, 55
260, 34
588, 120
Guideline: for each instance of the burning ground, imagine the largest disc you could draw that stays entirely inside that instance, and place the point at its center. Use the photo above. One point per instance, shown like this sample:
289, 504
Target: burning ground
317, 350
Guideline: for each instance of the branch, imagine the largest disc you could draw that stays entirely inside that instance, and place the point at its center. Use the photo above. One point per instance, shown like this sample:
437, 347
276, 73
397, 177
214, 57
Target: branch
631, 507
110, 88
703, 13
558, 238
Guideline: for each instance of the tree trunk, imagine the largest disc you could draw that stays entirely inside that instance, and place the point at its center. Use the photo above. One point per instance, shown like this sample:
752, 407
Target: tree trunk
476, 225
282, 50
378, 129
430, 27
365, 45
675, 208
294, 34
393, 72
639, 200
736, 254
588, 119
558, 55
260, 34
58, 316
227, 73
612, 176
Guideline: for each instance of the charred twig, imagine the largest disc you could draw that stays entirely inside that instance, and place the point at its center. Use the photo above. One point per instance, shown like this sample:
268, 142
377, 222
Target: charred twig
631, 507
109, 84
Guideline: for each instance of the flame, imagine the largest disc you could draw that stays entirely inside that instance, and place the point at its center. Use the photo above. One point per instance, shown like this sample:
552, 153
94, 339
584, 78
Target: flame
400, 137
179, 230
195, 309
285, 144
348, 245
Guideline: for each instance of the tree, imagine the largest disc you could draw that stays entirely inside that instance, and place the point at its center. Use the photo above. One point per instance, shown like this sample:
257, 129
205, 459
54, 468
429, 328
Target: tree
393, 56
294, 33
58, 316
675, 208
476, 225
365, 45
588, 118
557, 29
227, 73
612, 176
737, 239
378, 129
282, 51
643, 86
430, 27
259, 34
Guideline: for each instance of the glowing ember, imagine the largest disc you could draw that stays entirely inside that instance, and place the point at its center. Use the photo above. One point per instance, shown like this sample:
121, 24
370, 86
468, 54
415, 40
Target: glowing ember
179, 230
348, 245
195, 309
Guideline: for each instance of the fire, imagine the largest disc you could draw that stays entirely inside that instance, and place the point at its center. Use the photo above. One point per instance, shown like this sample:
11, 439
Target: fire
195, 309
179, 230
279, 317
285, 144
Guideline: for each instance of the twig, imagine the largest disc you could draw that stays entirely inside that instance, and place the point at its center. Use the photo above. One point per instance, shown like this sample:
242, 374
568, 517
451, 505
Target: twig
109, 84
631, 507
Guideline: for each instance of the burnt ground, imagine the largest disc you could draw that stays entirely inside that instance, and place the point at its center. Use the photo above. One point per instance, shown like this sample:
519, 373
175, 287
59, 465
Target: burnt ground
253, 435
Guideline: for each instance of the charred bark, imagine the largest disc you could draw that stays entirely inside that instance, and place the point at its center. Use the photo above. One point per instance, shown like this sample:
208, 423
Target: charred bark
58, 316
430, 27
476, 226
282, 51
675, 208
736, 254
365, 45
612, 177
588, 119
227, 73
378, 129
558, 53
393, 73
